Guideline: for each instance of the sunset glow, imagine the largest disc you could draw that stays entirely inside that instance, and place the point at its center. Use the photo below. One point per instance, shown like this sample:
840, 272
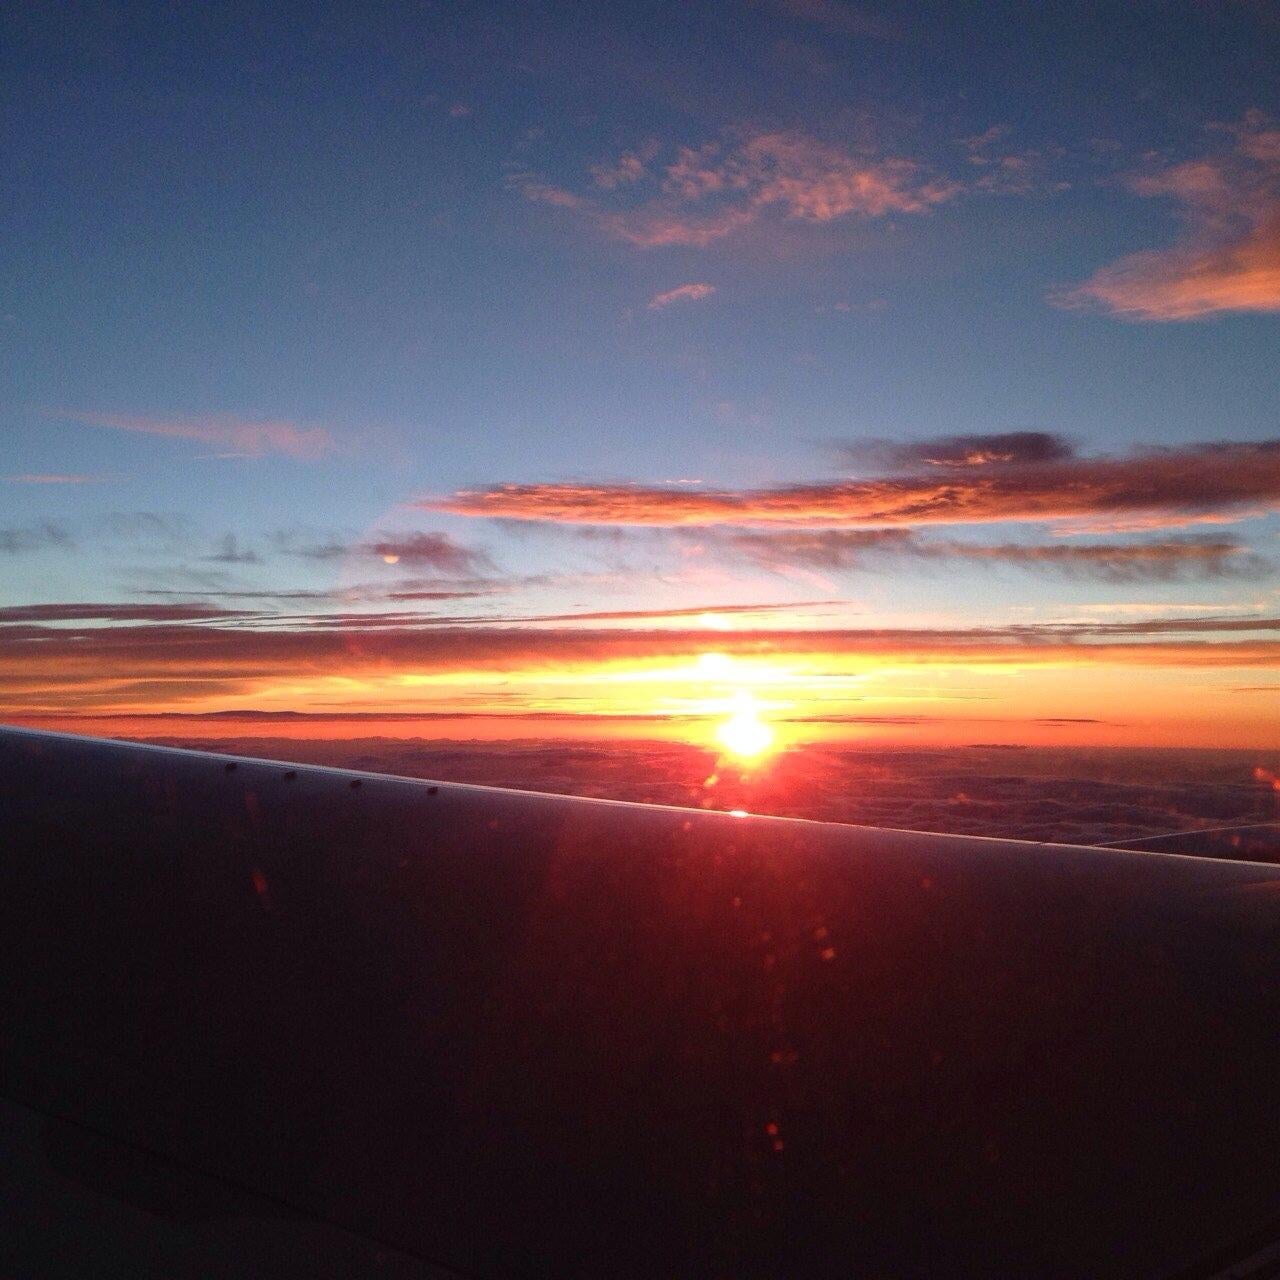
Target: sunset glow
672, 608
818, 388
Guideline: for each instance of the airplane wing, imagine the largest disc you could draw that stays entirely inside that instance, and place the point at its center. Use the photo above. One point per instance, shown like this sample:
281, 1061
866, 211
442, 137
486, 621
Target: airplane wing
489, 1033
1251, 842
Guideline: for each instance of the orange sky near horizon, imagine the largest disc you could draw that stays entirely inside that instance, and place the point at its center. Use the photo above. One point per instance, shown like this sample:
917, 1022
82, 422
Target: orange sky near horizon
790, 688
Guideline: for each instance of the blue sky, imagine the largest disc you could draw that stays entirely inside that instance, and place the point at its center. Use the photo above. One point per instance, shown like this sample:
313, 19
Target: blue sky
279, 272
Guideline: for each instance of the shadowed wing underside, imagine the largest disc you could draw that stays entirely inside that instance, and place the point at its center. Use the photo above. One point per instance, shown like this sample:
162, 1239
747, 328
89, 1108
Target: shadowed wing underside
511, 1034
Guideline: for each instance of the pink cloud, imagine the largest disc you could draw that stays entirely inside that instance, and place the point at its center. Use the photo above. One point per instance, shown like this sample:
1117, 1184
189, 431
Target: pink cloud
545, 193
1229, 256
244, 437
712, 191
628, 168
656, 228
1160, 487
681, 293
818, 182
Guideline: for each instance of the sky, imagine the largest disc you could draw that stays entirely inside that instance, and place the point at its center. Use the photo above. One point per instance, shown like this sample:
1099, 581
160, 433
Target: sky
753, 372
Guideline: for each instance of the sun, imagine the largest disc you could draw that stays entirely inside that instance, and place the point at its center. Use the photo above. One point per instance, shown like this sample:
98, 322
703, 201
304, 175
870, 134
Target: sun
743, 734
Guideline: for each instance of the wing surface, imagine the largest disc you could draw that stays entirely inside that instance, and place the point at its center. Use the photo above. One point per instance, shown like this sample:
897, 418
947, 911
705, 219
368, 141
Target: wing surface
517, 1034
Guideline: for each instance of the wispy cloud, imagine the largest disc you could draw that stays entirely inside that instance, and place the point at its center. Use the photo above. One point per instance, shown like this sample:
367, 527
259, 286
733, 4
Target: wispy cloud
657, 227
708, 192
233, 436
287, 595
237, 594
98, 612
681, 293
830, 549
540, 192
104, 665
1216, 480
1229, 256
1183, 559
629, 167
230, 550
17, 539
1169, 560
148, 527
995, 449
716, 618
437, 552
1005, 170
711, 614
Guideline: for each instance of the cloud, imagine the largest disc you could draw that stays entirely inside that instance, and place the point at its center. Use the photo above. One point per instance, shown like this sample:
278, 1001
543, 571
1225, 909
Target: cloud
435, 551
711, 612
995, 449
1228, 258
1206, 624
1085, 801
361, 592
146, 525
103, 658
1183, 559
545, 193
242, 595
818, 182
1172, 560
1005, 171
93, 612
845, 307
681, 293
1216, 480
714, 190
234, 436
17, 539
296, 542
230, 551
419, 593
56, 477
658, 228
817, 549
43, 665
628, 168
